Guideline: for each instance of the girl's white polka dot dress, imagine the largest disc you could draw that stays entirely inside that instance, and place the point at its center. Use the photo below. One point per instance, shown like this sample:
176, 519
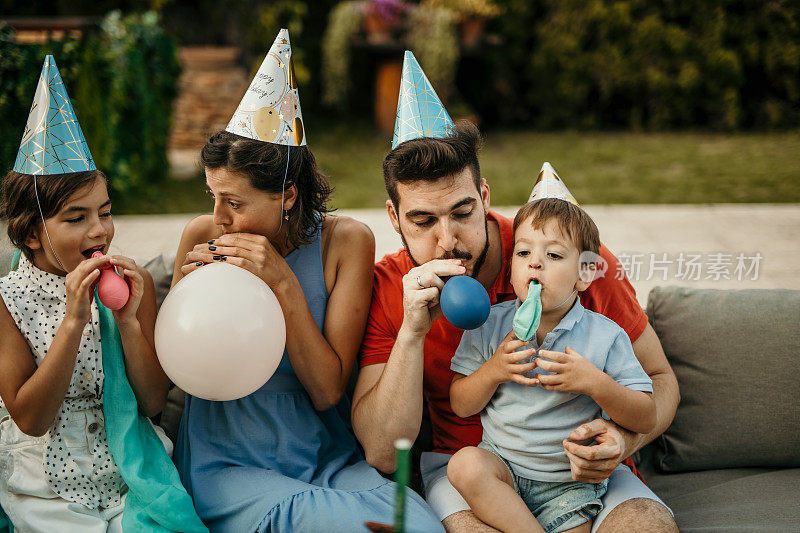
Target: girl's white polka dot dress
76, 462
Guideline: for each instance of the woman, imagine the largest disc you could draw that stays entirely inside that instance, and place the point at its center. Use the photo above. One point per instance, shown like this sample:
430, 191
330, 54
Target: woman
284, 458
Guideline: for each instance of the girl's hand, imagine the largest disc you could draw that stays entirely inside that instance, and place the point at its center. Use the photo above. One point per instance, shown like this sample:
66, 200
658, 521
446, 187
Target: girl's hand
251, 252
80, 289
127, 315
571, 372
505, 363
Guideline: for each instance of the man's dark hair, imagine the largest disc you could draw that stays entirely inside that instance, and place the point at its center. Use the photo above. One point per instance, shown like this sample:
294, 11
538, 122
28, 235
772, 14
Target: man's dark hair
20, 207
264, 164
431, 158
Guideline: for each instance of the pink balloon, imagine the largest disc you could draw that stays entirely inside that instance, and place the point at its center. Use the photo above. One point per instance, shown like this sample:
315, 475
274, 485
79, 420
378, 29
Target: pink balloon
112, 288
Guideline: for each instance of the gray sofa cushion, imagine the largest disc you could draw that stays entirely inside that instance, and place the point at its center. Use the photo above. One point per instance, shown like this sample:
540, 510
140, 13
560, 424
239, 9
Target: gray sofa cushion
5, 260
736, 355
731, 499
160, 268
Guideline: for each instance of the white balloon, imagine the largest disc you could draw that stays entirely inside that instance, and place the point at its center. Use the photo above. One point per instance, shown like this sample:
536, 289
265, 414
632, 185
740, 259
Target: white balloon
220, 333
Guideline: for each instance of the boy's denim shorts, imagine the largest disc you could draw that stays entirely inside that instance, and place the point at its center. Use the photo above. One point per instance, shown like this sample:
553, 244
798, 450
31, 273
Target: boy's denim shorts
558, 506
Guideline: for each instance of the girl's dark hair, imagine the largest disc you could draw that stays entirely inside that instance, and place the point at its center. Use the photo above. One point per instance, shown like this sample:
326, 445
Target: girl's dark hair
433, 158
19, 204
264, 164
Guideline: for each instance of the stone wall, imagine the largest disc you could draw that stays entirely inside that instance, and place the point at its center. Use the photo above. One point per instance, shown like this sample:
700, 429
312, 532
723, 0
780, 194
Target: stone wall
210, 87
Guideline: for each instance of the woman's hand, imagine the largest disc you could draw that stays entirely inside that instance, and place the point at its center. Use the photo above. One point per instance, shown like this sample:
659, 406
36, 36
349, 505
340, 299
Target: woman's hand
251, 252
80, 288
198, 256
127, 314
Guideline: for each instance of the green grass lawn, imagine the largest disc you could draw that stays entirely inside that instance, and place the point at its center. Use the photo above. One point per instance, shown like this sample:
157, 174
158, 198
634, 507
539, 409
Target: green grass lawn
598, 168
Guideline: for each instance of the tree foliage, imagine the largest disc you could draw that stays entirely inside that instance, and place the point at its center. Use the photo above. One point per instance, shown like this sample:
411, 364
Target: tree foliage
122, 81
719, 64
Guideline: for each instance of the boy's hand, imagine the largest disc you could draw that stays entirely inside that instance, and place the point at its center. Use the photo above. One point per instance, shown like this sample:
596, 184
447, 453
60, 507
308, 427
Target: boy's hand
571, 372
505, 366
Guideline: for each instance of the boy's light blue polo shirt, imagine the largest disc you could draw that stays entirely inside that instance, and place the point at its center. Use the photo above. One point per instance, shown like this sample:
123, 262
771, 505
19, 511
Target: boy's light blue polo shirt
527, 424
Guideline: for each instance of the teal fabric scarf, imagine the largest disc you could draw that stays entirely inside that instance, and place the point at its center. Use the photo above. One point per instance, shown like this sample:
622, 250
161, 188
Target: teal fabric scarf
156, 500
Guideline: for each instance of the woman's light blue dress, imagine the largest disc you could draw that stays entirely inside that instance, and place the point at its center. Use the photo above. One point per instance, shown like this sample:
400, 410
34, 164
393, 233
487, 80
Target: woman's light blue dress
271, 462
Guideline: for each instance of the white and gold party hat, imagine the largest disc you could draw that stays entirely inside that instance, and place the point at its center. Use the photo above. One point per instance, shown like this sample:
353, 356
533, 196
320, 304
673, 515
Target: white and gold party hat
270, 109
549, 185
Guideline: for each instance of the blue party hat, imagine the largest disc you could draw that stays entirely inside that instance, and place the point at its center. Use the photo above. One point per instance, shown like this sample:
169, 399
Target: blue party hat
549, 185
420, 113
53, 142
270, 109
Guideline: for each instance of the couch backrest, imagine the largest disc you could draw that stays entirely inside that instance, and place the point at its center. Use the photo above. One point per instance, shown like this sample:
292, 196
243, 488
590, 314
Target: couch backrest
736, 356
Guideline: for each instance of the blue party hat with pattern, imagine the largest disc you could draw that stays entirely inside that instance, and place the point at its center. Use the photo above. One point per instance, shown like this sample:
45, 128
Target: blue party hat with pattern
549, 185
53, 142
420, 113
270, 109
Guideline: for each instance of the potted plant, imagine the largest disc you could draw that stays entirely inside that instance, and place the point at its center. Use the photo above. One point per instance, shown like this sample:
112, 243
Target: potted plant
382, 18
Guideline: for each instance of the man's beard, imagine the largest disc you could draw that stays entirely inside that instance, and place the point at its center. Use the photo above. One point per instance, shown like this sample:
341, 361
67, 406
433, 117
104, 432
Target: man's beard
455, 253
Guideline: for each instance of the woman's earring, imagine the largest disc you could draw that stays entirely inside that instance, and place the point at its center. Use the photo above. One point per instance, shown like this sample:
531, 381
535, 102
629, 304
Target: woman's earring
286, 215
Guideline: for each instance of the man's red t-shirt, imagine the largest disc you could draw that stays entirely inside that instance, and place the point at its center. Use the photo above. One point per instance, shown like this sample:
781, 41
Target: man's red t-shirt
608, 296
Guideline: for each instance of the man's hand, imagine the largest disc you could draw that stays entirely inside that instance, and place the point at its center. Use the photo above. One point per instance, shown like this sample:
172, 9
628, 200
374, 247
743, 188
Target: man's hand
421, 288
594, 463
571, 372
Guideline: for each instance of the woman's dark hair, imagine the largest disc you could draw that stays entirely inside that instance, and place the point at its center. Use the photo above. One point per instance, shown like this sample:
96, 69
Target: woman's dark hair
433, 158
21, 210
264, 164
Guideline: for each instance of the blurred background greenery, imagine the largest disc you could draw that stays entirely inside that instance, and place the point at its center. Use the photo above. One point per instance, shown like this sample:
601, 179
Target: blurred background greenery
632, 101
598, 167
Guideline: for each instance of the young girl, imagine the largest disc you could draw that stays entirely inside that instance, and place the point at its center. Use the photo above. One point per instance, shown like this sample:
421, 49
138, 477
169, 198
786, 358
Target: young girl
57, 470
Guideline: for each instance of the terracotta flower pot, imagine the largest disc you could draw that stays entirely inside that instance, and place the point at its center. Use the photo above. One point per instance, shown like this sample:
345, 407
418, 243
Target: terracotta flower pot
379, 30
472, 31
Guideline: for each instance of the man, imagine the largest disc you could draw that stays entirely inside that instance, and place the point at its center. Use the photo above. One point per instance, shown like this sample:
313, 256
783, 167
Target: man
439, 204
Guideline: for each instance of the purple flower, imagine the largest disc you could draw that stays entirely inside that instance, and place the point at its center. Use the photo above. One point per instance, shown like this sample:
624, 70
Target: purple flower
391, 11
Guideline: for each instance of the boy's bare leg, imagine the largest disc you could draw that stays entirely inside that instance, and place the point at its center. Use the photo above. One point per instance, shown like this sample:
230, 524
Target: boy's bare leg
485, 482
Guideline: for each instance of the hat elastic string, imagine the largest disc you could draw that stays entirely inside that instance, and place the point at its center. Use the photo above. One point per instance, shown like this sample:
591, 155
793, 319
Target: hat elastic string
44, 225
283, 189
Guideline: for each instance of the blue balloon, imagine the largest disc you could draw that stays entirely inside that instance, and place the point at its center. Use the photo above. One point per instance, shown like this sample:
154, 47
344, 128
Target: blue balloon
465, 303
